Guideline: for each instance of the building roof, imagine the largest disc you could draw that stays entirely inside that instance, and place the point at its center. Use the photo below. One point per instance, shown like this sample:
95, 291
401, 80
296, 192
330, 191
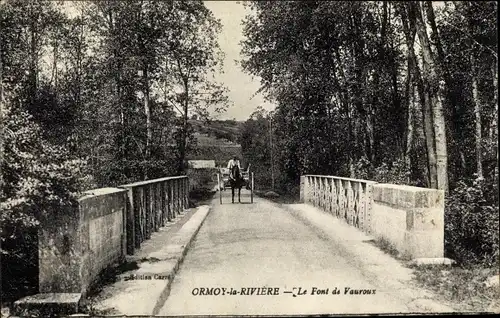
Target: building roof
201, 164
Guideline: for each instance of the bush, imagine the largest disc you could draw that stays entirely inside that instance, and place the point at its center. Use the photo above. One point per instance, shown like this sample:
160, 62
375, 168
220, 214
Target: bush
202, 178
471, 225
37, 177
395, 172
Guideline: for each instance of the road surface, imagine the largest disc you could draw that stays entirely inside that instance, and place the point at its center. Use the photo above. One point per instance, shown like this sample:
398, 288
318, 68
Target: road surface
253, 258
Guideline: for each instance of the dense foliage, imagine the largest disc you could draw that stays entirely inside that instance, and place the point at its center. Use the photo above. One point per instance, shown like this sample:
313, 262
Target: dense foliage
94, 94
400, 92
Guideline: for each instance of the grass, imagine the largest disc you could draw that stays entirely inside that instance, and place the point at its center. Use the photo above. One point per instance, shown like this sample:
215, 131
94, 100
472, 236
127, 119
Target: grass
387, 247
281, 198
463, 287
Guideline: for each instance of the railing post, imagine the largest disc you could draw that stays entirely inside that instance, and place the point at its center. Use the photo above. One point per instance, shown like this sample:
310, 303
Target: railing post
171, 201
329, 201
177, 197
309, 190
140, 218
181, 193
362, 216
149, 212
335, 197
315, 191
302, 189
130, 221
174, 197
168, 196
323, 193
342, 208
320, 192
181, 197
251, 191
159, 207
368, 207
163, 207
154, 211
186, 180
184, 193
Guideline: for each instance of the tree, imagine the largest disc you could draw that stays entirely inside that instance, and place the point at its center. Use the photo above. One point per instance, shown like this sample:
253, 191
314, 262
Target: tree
191, 55
364, 89
85, 88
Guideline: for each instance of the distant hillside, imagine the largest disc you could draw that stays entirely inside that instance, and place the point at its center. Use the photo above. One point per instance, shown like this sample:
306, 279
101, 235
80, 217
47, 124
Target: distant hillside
220, 129
216, 140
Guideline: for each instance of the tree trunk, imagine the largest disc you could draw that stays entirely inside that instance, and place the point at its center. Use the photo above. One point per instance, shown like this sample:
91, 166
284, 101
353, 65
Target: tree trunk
33, 64
359, 93
477, 115
434, 89
183, 145
2, 133
147, 111
409, 126
494, 123
271, 151
345, 101
441, 141
429, 139
427, 125
410, 94
409, 31
493, 131
54, 66
376, 83
370, 133
428, 130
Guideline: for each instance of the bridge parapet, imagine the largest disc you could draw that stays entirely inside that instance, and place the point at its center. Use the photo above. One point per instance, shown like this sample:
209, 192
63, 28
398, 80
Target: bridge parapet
150, 204
348, 199
410, 218
76, 245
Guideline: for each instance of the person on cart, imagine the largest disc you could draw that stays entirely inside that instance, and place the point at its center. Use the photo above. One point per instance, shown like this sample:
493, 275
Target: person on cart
234, 162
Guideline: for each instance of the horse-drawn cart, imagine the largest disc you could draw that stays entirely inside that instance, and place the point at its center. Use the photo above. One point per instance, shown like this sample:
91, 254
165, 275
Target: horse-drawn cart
244, 178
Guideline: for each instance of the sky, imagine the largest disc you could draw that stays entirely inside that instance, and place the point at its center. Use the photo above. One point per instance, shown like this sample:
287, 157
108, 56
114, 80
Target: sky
242, 87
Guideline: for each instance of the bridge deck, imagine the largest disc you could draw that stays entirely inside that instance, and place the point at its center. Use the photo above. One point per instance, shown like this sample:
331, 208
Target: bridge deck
260, 245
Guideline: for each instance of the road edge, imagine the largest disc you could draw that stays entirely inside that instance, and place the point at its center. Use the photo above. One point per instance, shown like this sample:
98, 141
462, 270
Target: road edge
417, 305
186, 236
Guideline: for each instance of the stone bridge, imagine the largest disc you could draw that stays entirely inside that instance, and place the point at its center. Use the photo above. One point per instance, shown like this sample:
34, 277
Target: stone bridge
319, 256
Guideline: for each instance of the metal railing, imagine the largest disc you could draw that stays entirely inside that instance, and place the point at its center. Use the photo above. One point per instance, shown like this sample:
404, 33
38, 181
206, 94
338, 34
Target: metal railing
349, 199
151, 204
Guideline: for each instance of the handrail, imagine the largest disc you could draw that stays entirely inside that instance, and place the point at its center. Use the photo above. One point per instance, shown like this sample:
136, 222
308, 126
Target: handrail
140, 183
341, 178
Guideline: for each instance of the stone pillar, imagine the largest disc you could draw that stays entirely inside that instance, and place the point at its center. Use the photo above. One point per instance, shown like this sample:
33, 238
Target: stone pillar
75, 244
416, 213
60, 252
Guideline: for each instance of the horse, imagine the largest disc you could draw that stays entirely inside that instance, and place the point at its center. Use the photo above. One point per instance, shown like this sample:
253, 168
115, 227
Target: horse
236, 181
